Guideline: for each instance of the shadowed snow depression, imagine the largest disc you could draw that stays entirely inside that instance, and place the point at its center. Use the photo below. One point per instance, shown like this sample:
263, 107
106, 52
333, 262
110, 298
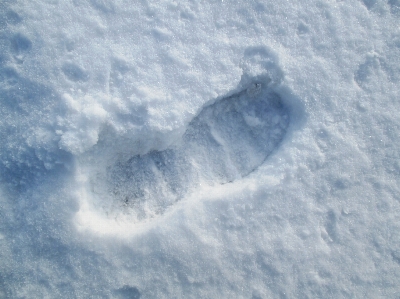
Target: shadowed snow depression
217, 149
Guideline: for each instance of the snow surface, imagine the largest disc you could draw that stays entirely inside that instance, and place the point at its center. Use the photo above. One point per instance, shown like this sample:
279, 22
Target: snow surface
209, 149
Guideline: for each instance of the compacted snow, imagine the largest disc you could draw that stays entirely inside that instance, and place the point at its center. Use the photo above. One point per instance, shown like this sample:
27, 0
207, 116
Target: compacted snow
199, 149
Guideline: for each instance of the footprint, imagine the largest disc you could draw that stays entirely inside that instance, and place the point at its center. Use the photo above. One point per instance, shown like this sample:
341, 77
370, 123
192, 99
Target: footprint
302, 29
394, 6
226, 141
20, 45
74, 72
369, 3
13, 18
369, 74
8, 77
127, 292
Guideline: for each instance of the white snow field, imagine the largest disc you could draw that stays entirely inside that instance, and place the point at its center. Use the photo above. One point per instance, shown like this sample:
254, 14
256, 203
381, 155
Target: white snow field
199, 149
